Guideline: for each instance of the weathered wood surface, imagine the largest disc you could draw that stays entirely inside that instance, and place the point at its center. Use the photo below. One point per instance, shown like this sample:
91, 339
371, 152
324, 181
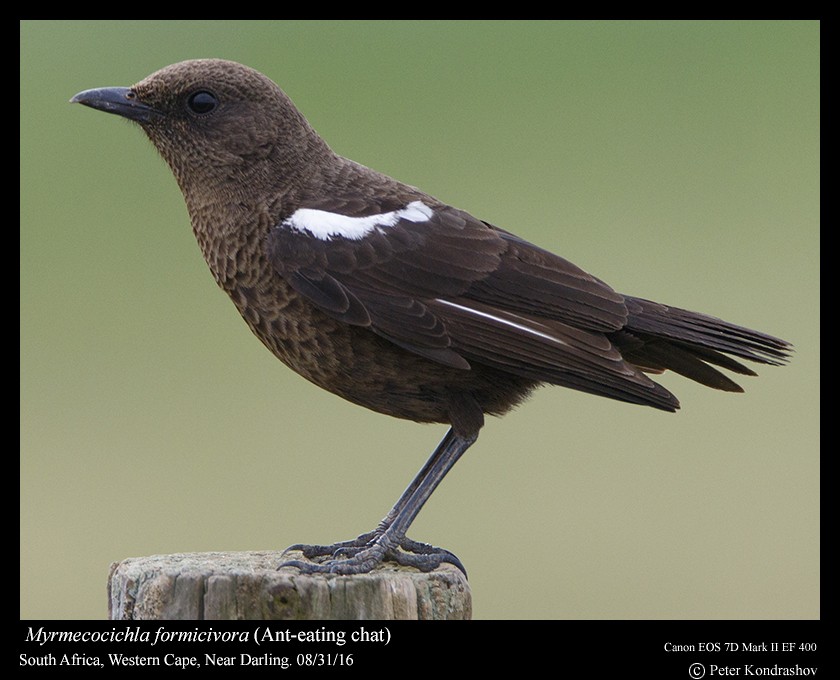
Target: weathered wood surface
248, 585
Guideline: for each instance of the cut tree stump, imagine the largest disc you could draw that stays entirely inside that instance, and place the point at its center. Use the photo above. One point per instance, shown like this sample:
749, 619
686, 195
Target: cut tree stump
248, 585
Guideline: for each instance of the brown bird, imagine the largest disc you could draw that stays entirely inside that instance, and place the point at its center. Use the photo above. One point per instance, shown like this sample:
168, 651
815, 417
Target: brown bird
384, 295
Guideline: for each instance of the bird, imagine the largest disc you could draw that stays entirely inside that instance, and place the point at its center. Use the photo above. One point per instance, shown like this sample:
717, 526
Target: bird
382, 294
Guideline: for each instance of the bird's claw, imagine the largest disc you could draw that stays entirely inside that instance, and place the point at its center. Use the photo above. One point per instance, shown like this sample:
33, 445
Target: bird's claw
364, 553
352, 546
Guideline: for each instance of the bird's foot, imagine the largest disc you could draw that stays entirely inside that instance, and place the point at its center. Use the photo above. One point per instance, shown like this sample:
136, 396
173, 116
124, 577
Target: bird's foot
364, 553
351, 547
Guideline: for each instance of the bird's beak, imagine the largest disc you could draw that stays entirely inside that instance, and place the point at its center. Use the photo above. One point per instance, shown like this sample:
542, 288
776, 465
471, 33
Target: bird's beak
119, 100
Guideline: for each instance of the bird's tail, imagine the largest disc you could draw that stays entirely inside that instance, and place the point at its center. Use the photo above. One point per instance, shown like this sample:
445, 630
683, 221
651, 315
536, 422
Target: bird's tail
657, 338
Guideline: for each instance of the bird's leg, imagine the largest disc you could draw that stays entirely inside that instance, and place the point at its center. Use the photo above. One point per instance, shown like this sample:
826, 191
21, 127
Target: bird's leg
354, 545
388, 540
351, 547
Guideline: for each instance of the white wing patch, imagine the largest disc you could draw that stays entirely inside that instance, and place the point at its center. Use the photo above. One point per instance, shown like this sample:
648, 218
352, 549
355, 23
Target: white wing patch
506, 322
326, 225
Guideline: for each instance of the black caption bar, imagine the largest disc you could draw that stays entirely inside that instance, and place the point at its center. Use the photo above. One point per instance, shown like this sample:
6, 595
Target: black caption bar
674, 649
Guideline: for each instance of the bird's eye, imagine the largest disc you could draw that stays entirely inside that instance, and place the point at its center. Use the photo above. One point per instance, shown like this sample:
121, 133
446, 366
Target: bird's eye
202, 102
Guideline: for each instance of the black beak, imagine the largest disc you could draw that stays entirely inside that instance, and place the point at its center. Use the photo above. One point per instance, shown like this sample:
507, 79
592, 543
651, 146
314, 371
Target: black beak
119, 100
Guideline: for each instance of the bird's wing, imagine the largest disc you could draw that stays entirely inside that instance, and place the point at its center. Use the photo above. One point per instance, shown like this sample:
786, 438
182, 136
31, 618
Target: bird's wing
442, 284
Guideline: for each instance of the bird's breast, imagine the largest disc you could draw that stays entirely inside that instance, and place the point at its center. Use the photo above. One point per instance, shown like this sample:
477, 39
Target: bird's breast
232, 239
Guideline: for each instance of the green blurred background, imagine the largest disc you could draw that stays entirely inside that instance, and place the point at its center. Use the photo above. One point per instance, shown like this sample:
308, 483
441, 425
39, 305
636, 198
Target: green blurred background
676, 161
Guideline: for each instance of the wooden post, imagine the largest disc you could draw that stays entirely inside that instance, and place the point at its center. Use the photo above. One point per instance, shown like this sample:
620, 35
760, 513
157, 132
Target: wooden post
248, 585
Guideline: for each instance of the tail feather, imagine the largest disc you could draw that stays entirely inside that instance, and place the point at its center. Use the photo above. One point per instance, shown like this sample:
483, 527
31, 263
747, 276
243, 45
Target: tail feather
711, 356
658, 338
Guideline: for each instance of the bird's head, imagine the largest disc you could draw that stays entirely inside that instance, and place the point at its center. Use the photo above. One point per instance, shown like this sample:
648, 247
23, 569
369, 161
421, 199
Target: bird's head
213, 121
